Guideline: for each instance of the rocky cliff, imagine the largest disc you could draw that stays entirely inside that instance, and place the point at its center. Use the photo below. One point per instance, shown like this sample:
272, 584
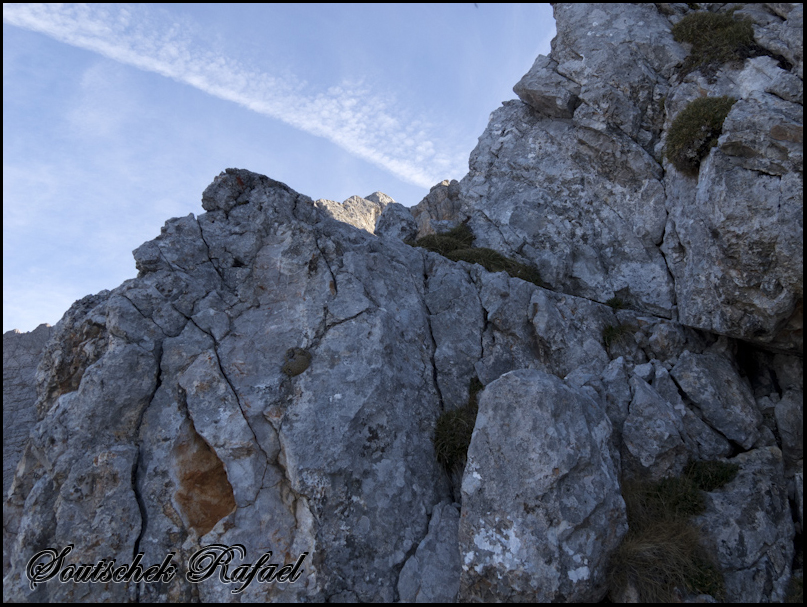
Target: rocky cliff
282, 382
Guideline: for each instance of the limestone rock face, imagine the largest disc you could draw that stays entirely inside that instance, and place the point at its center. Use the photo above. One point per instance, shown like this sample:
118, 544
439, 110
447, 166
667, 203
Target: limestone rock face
432, 574
573, 178
442, 203
540, 454
21, 355
274, 376
356, 211
396, 221
734, 240
751, 528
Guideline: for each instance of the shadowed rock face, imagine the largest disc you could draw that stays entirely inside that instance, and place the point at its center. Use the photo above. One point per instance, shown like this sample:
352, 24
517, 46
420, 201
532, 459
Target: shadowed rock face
21, 354
273, 376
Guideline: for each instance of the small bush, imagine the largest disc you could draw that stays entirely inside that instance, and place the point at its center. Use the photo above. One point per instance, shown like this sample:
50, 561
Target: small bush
670, 497
695, 131
460, 237
616, 303
439, 243
716, 38
661, 560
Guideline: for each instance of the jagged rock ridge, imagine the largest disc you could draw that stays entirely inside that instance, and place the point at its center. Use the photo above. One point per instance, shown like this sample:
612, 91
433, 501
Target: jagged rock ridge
170, 415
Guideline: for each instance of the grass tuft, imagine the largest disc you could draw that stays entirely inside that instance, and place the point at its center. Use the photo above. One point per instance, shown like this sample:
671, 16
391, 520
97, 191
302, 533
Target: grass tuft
493, 261
710, 476
616, 303
661, 556
460, 237
716, 38
611, 334
457, 245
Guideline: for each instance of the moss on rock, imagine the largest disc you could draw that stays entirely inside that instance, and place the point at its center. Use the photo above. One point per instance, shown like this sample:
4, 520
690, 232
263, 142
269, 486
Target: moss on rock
297, 361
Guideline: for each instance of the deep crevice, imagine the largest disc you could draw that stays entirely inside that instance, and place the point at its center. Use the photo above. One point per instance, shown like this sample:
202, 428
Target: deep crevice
431, 337
138, 465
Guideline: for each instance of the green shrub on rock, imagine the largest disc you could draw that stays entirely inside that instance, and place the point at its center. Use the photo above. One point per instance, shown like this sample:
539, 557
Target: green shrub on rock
710, 476
616, 303
695, 131
460, 237
716, 38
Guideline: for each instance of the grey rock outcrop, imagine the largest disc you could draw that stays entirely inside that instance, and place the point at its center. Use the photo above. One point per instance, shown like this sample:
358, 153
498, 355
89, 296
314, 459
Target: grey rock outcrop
274, 376
573, 178
442, 203
722, 397
541, 506
432, 574
21, 355
360, 212
396, 221
750, 528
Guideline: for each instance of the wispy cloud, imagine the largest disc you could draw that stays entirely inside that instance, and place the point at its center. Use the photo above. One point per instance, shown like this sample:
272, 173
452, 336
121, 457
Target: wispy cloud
362, 122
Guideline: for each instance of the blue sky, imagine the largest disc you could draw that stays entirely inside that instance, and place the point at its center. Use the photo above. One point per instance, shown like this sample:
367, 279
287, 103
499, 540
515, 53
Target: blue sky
116, 117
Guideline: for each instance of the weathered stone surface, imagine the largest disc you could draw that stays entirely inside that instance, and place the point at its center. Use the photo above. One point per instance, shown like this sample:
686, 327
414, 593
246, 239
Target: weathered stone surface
432, 574
750, 529
789, 412
538, 482
622, 57
702, 441
557, 208
396, 221
21, 355
453, 302
725, 402
547, 91
441, 203
742, 273
652, 435
571, 179
83, 452
360, 212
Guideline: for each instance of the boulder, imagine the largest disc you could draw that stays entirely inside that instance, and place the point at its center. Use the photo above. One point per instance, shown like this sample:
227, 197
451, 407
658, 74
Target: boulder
750, 530
543, 530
